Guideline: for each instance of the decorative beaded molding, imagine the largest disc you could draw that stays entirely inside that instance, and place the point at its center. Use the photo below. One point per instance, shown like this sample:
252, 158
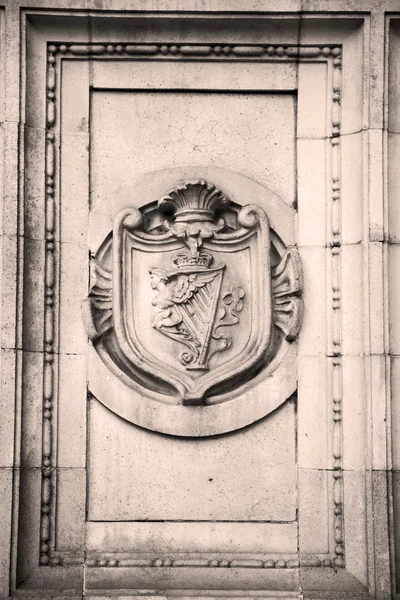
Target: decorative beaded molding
49, 326
336, 315
208, 52
212, 563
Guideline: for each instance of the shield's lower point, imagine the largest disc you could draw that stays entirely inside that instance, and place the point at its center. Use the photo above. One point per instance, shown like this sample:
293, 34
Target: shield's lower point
192, 400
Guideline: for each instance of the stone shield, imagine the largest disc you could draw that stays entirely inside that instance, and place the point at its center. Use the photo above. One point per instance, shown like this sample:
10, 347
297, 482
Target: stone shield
187, 306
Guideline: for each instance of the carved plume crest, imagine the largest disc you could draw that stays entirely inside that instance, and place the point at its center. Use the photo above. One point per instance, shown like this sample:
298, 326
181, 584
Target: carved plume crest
194, 200
191, 212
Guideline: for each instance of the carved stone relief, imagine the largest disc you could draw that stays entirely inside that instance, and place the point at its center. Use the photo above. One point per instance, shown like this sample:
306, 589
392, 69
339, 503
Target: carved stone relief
191, 297
196, 299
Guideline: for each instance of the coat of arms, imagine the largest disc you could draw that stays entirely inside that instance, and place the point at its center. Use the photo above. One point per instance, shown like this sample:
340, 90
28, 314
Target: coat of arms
190, 299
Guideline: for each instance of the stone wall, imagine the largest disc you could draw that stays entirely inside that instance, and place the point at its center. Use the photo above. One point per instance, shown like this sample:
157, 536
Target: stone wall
200, 286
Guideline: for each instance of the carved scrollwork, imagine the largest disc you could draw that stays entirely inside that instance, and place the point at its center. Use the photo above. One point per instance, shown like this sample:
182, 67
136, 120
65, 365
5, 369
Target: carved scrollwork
194, 307
287, 284
98, 306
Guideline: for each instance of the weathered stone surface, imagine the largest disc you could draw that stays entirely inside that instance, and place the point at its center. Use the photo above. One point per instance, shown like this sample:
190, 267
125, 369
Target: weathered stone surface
199, 297
167, 478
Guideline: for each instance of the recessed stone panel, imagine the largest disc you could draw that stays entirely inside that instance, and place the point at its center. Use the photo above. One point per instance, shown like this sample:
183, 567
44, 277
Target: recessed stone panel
172, 479
139, 132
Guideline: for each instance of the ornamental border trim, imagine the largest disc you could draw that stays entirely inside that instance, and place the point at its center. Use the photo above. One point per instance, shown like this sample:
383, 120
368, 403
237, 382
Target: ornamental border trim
268, 52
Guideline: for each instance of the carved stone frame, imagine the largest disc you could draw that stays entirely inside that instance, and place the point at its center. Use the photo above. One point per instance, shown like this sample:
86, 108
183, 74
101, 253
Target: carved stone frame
103, 51
106, 570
